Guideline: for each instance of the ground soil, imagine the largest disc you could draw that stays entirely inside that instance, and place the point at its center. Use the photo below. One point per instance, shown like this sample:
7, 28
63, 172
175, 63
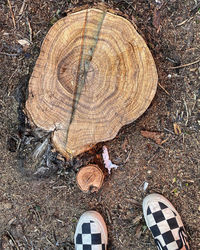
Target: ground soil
41, 213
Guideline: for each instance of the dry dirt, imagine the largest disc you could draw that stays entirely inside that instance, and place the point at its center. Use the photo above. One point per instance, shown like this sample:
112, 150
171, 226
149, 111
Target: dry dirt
41, 213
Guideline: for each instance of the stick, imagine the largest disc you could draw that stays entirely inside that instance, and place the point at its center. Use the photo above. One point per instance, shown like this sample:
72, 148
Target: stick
22, 8
187, 113
185, 21
166, 92
11, 11
13, 240
30, 31
185, 65
164, 89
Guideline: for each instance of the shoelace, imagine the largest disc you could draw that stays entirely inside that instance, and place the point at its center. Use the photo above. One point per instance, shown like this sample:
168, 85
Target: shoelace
183, 238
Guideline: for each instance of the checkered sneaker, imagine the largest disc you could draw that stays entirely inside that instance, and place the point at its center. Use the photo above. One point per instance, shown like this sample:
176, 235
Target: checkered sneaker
91, 232
164, 222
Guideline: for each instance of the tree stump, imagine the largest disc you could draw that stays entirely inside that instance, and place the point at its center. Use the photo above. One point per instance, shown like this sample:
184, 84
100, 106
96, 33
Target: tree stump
90, 178
94, 74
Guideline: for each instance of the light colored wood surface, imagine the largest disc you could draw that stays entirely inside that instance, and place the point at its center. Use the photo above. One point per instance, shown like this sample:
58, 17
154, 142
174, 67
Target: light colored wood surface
94, 74
90, 178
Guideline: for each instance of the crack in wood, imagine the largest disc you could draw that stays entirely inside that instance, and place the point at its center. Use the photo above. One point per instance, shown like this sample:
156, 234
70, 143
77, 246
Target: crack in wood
86, 56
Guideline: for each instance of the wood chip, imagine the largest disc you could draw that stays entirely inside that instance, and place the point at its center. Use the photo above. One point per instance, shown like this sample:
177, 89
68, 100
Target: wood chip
177, 129
23, 42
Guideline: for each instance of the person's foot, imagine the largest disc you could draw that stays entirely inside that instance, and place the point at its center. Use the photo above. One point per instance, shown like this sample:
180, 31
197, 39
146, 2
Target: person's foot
91, 232
165, 223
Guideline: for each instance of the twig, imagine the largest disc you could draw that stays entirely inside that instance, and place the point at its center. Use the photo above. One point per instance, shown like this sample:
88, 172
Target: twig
22, 8
128, 156
195, 9
169, 131
29, 244
12, 75
162, 142
50, 242
187, 113
13, 240
195, 101
134, 177
130, 4
30, 30
164, 89
185, 21
166, 92
59, 187
11, 11
185, 65
7, 54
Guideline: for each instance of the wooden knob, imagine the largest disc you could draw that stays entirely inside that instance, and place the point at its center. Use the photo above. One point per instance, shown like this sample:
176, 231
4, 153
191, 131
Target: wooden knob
90, 178
94, 74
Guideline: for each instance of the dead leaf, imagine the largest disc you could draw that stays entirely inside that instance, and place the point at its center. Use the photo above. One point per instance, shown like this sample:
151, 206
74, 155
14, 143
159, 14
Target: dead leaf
177, 129
156, 136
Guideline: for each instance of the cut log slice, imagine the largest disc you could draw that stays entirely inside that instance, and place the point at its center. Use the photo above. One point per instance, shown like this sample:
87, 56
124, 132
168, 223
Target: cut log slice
94, 74
90, 178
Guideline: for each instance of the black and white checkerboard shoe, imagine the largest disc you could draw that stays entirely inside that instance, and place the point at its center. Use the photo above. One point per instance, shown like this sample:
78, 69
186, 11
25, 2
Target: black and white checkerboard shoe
91, 232
165, 223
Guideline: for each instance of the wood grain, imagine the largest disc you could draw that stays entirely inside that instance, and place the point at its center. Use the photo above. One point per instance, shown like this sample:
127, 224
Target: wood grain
90, 178
94, 74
